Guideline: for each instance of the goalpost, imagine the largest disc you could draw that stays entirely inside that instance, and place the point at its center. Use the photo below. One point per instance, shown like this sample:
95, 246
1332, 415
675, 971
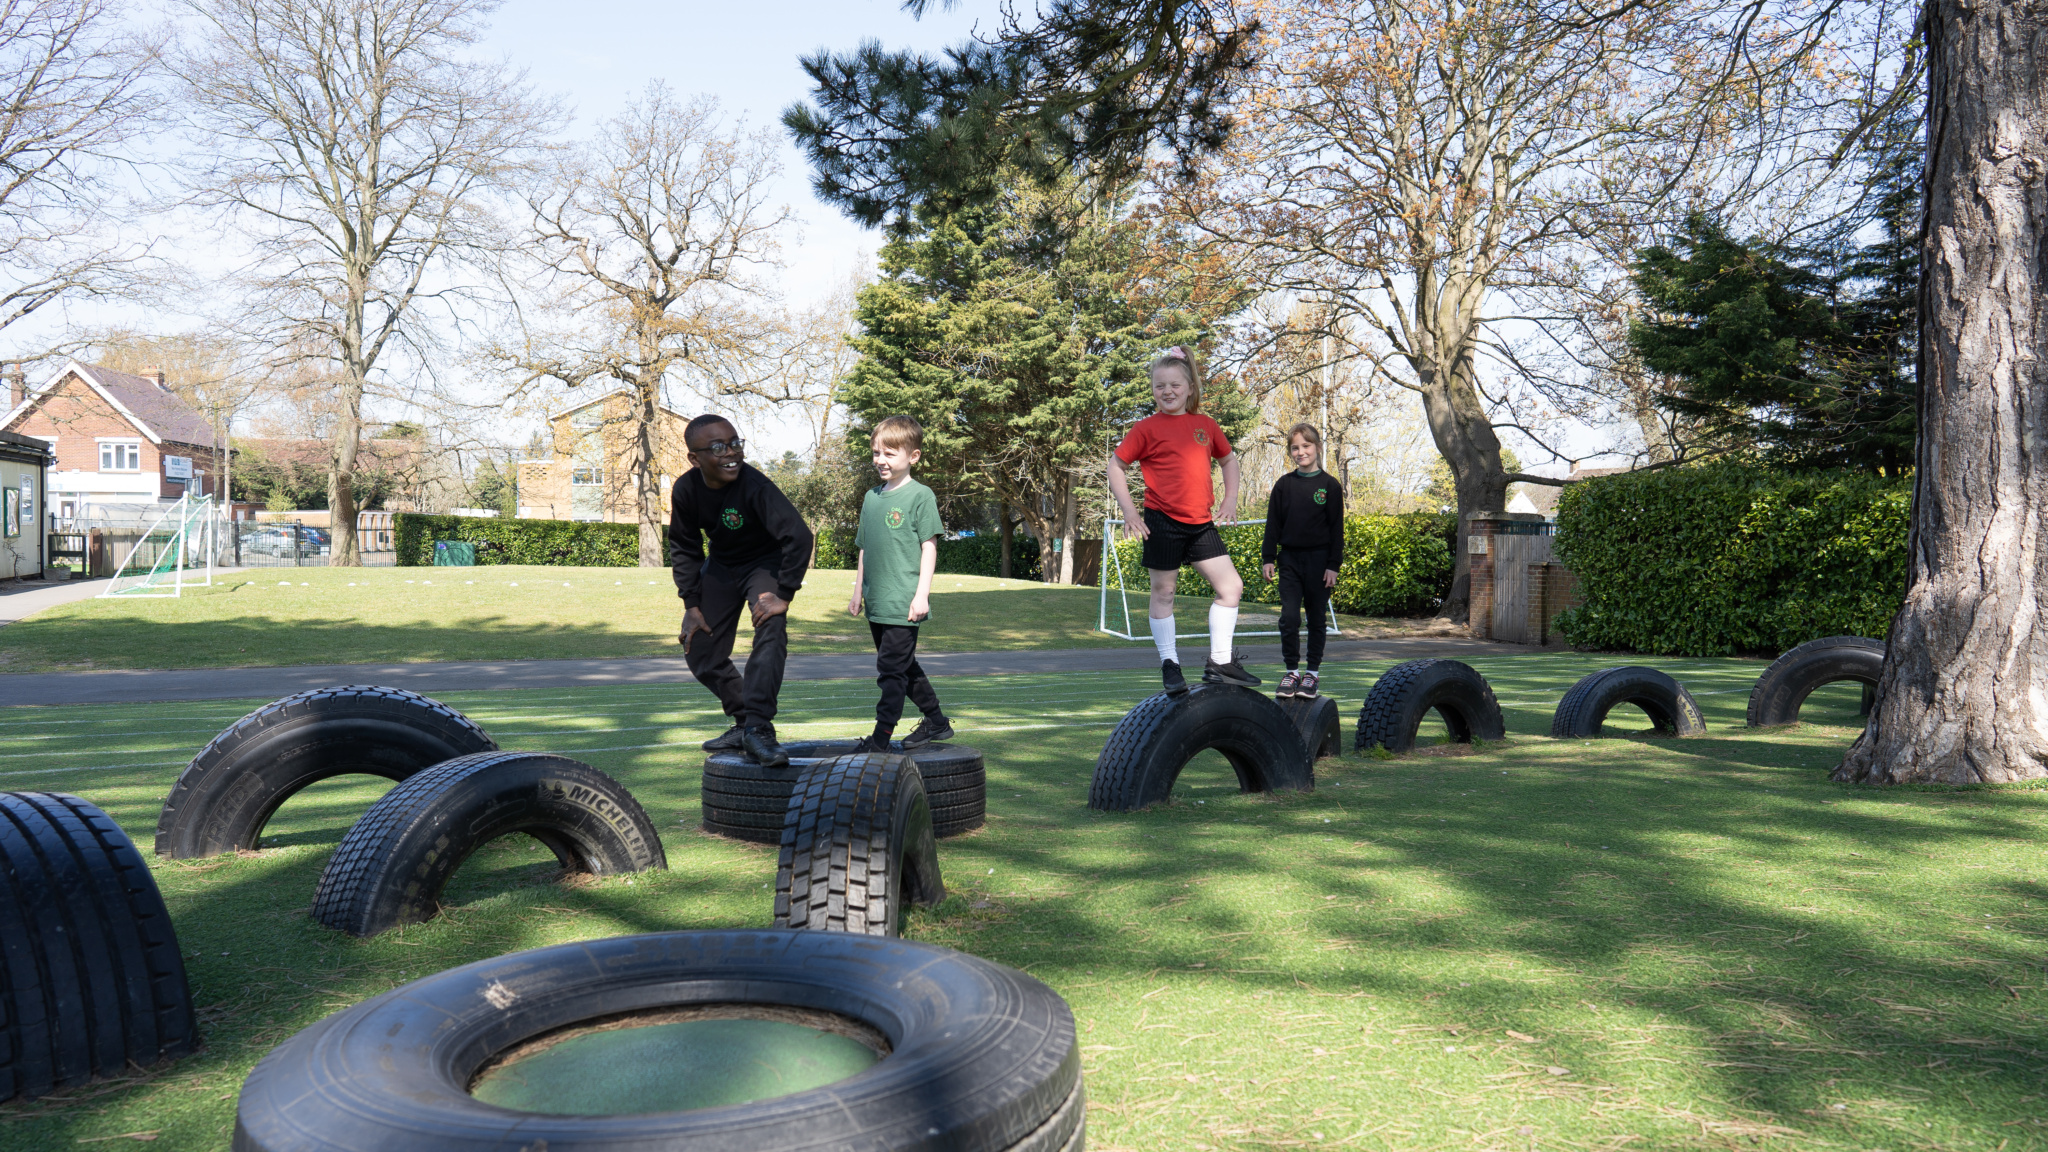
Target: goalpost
185, 537
1111, 562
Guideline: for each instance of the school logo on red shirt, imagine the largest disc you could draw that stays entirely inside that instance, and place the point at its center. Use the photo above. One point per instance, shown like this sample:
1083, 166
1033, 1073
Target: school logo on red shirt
894, 518
732, 519
1202, 437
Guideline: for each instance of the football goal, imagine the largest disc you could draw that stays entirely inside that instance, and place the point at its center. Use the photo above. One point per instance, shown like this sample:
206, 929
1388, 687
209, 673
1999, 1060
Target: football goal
176, 551
1120, 582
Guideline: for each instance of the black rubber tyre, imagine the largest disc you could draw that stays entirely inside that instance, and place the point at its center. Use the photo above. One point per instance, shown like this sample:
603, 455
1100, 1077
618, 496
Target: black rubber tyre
91, 980
857, 847
982, 1058
392, 865
1791, 678
1585, 706
1318, 721
1405, 693
229, 791
745, 801
1156, 739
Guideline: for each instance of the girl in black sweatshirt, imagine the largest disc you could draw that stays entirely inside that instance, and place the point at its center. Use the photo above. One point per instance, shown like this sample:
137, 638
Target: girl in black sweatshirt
1305, 534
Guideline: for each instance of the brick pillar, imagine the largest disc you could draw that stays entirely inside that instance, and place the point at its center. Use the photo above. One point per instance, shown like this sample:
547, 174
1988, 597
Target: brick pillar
1477, 540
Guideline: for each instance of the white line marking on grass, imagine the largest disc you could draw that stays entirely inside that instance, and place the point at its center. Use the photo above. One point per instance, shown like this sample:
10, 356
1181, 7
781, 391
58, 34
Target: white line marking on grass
93, 768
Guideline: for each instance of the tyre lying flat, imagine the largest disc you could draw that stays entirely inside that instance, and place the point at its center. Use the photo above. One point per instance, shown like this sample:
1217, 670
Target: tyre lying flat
1406, 693
391, 867
981, 1058
744, 801
1665, 701
857, 846
229, 791
92, 983
1791, 678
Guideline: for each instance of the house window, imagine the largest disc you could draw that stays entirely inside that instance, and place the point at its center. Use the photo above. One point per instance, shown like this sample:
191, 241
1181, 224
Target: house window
120, 455
586, 475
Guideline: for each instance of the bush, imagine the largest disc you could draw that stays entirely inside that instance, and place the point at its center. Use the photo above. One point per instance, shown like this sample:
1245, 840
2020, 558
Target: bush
1393, 565
1732, 558
968, 556
509, 541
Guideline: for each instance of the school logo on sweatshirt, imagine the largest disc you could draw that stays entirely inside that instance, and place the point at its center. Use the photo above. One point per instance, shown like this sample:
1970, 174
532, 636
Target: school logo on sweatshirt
1319, 496
894, 518
732, 519
1202, 437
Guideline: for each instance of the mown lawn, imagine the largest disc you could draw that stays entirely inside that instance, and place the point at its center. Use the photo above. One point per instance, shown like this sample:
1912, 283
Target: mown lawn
377, 615
1619, 943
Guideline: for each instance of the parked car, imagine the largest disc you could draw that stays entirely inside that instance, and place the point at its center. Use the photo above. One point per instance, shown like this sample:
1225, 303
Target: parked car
276, 540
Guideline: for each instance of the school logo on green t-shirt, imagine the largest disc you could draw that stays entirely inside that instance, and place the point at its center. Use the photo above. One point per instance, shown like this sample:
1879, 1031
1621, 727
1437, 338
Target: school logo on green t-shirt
1202, 437
1319, 496
732, 519
895, 518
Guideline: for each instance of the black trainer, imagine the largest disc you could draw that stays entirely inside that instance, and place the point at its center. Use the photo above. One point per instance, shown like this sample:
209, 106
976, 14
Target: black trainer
725, 743
927, 731
869, 743
1176, 684
759, 741
1231, 673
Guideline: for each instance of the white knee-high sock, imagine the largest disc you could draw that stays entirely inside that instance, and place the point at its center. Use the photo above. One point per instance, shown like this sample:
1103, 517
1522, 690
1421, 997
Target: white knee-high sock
1162, 638
1222, 628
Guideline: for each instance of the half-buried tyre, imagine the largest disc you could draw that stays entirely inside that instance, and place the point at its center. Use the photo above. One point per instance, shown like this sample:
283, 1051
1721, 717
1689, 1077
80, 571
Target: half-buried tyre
961, 1053
229, 791
1155, 740
1791, 678
1318, 721
1406, 693
392, 865
857, 847
91, 981
1665, 701
745, 801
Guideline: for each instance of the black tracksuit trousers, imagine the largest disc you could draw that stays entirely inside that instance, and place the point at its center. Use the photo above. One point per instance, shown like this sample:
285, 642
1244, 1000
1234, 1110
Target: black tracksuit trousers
1300, 576
898, 674
748, 699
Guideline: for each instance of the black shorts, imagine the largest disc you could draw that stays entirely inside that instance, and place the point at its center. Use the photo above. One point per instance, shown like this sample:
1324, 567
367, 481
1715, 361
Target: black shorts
1172, 543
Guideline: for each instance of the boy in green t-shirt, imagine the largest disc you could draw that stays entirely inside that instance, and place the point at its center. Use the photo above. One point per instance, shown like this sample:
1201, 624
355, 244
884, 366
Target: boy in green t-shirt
899, 526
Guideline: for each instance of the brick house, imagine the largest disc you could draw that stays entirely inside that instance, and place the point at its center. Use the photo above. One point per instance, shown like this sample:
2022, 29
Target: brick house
585, 477
122, 443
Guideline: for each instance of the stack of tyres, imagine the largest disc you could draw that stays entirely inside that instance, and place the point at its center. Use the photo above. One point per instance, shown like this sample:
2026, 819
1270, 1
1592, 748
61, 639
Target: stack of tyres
91, 980
745, 801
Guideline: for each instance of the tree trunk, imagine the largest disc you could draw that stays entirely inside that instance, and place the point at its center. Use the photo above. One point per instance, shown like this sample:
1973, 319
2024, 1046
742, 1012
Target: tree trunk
341, 478
1006, 528
1464, 435
642, 450
1959, 699
1643, 408
1069, 511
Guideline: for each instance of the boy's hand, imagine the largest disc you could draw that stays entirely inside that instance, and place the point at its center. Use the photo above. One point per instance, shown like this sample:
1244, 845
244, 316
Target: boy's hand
1266, 570
1329, 578
693, 623
768, 605
1134, 528
853, 605
920, 607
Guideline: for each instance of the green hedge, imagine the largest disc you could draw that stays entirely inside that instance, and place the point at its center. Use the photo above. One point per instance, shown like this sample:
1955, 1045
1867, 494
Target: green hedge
1393, 565
970, 556
502, 540
1732, 558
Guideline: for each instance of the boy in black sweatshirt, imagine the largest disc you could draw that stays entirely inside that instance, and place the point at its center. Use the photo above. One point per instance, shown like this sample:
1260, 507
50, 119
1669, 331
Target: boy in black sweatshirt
760, 549
1305, 534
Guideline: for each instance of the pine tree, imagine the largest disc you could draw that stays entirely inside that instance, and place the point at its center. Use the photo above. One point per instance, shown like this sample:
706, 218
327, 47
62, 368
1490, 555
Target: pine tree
1018, 332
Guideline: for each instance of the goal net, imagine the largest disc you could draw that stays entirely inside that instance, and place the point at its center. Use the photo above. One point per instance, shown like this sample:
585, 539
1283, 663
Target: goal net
1120, 582
177, 550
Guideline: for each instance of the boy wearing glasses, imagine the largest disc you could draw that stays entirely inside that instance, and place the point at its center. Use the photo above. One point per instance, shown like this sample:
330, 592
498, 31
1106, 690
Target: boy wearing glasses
760, 549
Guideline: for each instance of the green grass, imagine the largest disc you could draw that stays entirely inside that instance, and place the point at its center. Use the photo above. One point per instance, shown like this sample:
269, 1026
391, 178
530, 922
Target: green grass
379, 615
1627, 942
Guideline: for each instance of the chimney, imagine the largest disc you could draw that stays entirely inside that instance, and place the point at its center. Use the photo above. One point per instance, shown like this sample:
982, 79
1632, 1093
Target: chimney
154, 374
17, 386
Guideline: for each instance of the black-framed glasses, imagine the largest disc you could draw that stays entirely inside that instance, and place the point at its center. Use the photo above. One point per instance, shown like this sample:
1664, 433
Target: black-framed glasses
721, 447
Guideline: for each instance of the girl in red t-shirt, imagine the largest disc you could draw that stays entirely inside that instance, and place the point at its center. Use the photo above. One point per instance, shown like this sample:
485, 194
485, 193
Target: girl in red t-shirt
1175, 446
